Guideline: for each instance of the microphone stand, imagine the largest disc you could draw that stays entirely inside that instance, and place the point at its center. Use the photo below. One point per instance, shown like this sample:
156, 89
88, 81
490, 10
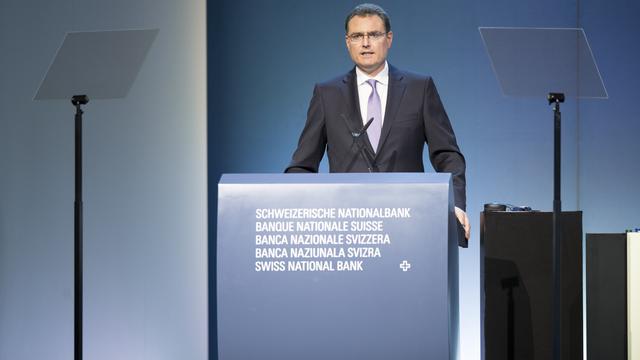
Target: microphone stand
357, 140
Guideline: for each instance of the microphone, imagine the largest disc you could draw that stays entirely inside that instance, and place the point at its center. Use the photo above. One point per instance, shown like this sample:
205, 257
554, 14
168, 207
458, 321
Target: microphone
357, 140
362, 131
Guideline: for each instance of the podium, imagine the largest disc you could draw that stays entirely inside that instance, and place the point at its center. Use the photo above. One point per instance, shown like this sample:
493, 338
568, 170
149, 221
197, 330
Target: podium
337, 266
516, 285
613, 296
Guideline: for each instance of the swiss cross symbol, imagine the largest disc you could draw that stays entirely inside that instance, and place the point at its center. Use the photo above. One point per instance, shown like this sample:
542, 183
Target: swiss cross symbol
405, 265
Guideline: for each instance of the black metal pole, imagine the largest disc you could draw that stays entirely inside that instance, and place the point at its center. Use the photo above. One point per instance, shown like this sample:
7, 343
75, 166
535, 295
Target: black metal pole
509, 284
556, 99
78, 101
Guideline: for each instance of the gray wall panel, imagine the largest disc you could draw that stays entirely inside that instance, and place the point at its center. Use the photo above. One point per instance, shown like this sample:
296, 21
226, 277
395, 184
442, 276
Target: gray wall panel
145, 189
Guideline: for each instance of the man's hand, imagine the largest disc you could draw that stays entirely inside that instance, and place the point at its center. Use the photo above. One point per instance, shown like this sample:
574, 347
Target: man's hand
464, 220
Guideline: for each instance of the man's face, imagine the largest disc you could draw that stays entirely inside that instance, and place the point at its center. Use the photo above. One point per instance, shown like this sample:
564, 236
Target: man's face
368, 53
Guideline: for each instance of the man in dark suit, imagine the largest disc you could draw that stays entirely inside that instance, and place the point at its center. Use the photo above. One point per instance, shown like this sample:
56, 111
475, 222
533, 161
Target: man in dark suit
405, 108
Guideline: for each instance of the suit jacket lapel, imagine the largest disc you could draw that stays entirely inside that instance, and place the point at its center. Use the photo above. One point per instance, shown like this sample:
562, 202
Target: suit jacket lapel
394, 98
350, 92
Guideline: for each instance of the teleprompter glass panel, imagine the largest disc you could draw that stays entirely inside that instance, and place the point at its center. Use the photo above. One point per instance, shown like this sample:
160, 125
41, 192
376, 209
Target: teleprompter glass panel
537, 61
100, 64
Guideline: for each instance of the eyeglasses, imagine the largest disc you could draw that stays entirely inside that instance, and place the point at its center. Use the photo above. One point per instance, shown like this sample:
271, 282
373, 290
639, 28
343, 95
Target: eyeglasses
357, 38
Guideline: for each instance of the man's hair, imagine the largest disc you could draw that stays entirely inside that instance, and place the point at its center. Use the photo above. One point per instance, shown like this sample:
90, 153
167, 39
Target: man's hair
368, 10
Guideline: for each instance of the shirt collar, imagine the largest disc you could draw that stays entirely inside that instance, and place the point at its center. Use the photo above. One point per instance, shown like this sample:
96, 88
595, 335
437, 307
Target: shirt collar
382, 77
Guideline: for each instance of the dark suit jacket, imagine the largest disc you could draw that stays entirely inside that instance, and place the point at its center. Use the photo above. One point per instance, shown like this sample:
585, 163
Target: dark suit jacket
414, 116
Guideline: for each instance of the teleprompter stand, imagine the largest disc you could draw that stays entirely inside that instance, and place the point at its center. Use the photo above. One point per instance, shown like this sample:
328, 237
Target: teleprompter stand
115, 58
78, 101
553, 63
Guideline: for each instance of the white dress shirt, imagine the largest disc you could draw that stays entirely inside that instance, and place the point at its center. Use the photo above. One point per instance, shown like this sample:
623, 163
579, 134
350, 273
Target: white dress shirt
364, 90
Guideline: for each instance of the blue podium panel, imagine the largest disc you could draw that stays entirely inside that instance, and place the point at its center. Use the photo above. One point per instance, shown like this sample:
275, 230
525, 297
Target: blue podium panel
337, 266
